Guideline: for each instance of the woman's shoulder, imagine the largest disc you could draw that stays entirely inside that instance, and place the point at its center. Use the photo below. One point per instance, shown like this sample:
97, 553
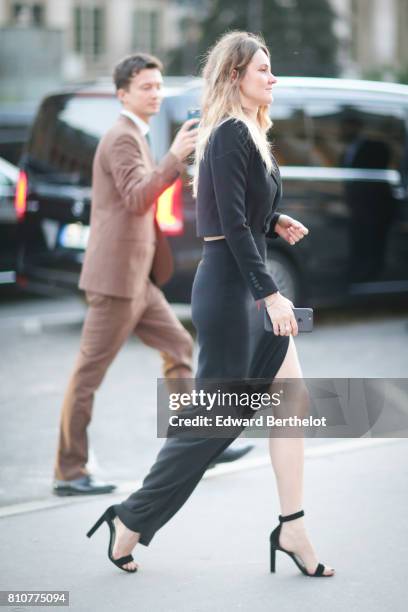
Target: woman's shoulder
231, 132
231, 125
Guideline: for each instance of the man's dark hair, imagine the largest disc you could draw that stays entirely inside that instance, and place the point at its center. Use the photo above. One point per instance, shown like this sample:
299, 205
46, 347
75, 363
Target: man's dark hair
132, 65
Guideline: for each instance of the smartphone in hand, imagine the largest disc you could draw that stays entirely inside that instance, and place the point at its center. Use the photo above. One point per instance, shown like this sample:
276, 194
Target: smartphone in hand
303, 316
194, 113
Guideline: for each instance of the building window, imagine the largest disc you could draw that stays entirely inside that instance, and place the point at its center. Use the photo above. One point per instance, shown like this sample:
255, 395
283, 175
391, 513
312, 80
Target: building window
89, 31
145, 31
28, 13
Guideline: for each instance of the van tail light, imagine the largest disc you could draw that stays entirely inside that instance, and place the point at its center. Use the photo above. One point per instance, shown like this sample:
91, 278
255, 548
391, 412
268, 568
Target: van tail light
169, 210
20, 198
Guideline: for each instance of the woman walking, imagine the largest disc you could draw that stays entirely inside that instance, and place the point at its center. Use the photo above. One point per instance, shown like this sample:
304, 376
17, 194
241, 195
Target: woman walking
238, 188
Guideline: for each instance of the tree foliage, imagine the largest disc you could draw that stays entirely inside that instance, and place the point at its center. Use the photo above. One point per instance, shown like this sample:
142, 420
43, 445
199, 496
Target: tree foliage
299, 35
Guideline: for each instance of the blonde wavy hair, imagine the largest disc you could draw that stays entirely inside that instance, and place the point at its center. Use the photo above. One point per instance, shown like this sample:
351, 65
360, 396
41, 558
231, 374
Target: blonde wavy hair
221, 100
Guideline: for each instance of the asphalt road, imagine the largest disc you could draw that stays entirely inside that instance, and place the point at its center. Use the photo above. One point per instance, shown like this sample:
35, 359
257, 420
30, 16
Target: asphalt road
214, 554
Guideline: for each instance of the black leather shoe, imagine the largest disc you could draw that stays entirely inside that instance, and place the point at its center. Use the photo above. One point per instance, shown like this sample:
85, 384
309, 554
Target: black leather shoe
86, 485
231, 454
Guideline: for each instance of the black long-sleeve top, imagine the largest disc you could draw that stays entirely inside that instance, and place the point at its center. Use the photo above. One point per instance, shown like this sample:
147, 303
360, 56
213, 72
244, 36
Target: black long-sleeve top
237, 197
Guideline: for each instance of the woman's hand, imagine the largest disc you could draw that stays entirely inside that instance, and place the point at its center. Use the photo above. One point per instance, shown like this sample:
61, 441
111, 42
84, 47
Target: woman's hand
281, 314
289, 229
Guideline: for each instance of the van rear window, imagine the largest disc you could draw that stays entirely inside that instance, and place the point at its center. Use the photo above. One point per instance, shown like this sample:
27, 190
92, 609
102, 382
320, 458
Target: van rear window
65, 135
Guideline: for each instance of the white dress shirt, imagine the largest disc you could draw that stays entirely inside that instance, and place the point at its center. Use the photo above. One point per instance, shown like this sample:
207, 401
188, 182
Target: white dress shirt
144, 127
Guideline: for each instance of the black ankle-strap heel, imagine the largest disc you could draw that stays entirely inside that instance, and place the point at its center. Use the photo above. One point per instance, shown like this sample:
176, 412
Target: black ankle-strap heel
107, 517
274, 546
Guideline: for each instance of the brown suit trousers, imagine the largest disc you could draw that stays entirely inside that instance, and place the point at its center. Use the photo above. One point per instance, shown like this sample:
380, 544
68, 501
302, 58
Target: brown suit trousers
108, 324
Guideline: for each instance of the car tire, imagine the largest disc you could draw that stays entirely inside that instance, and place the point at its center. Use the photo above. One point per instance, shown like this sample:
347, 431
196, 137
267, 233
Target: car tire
285, 276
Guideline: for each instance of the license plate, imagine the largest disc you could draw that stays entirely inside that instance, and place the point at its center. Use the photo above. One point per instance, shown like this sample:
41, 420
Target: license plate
74, 236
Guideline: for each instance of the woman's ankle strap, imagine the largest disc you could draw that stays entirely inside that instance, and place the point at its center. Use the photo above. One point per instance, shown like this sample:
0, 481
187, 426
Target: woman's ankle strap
291, 517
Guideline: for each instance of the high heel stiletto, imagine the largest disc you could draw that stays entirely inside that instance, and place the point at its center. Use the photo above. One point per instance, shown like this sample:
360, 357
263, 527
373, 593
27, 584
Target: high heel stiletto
108, 517
274, 546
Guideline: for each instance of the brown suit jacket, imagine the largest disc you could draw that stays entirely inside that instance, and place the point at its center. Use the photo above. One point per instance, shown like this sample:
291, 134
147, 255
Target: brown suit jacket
125, 244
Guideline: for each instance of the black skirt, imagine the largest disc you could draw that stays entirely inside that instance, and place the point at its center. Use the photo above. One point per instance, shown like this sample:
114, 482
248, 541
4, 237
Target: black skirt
231, 337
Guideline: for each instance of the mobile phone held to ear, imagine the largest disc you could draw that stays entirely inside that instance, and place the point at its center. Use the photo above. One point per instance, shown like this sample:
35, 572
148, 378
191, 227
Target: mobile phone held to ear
194, 113
303, 316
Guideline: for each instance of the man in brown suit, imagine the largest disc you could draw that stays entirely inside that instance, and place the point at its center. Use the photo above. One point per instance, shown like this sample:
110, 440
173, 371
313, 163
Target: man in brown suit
126, 250
127, 258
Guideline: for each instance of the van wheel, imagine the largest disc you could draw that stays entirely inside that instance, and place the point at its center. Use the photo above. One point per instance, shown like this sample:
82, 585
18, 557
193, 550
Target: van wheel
285, 276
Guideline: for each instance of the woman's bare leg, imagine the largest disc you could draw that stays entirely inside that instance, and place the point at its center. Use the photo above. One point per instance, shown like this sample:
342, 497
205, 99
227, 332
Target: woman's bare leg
125, 541
287, 456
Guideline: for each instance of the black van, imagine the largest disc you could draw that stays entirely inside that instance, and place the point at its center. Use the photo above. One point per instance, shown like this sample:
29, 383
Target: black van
342, 147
